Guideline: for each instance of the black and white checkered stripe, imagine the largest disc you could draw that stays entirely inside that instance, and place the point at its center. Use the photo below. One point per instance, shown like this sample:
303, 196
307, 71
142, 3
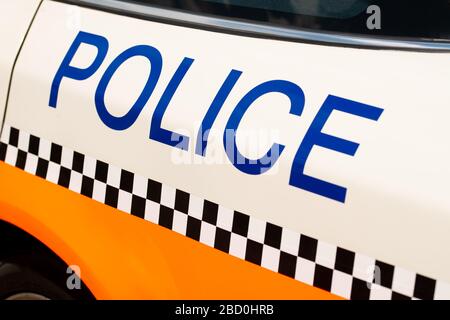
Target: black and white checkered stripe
311, 261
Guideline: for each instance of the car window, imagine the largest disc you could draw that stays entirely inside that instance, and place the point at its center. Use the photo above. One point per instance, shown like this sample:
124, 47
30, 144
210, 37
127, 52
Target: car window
428, 20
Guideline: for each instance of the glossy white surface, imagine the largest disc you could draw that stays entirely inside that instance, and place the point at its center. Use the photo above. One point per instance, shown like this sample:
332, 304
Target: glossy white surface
398, 204
15, 17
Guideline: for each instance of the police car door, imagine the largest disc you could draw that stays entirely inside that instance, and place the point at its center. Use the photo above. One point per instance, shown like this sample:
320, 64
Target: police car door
307, 137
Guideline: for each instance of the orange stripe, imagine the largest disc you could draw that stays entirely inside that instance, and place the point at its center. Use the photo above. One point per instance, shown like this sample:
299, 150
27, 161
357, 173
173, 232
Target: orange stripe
123, 257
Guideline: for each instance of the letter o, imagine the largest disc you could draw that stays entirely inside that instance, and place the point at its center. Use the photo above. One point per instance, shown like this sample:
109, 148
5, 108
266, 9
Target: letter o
125, 121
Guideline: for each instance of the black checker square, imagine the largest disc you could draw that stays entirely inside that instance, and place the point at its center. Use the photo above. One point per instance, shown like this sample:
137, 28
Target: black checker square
308, 248
193, 228
210, 210
181, 201
253, 252
154, 191
273, 235
165, 217
345, 260
288, 264
240, 223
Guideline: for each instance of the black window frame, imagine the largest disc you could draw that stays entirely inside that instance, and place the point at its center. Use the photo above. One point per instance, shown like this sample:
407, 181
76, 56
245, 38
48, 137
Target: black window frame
213, 23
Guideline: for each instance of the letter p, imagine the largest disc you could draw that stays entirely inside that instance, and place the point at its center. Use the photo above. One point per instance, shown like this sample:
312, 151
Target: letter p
67, 71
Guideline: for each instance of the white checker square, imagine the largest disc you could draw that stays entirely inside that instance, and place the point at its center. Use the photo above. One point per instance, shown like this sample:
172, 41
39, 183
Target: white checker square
53, 172
403, 281
168, 196
24, 141
238, 245
305, 271
5, 134
99, 191
270, 258
67, 158
124, 201
89, 166
44, 149
364, 267
195, 207
442, 291
378, 292
207, 234
341, 284
179, 222
140, 186
31, 164
326, 254
152, 211
11, 155
290, 241
114, 174
225, 218
256, 230
75, 181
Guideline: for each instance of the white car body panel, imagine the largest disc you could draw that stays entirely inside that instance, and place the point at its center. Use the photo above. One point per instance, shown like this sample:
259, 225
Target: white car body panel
14, 16
397, 207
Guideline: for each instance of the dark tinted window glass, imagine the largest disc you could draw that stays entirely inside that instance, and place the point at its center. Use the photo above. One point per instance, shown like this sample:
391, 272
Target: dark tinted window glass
427, 19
